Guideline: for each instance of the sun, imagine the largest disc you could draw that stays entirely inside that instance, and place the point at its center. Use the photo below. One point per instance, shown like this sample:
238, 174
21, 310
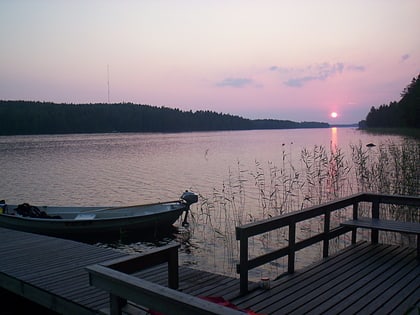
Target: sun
333, 115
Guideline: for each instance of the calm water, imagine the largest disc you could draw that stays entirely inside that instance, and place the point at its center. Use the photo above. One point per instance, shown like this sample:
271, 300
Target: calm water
123, 169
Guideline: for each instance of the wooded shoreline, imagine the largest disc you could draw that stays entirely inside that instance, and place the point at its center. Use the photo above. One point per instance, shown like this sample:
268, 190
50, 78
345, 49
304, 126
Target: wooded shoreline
29, 117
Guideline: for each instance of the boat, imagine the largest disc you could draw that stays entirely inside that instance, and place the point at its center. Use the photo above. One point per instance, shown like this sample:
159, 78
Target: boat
76, 222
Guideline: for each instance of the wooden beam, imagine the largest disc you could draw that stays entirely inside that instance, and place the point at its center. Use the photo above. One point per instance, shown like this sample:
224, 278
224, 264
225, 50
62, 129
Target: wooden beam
243, 263
326, 242
151, 295
292, 249
375, 215
290, 219
42, 297
133, 263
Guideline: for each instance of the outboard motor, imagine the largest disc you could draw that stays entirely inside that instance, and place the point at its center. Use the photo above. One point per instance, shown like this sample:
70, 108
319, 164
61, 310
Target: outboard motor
189, 198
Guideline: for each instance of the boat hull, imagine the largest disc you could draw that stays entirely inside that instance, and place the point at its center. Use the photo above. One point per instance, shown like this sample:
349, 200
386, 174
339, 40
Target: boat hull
92, 221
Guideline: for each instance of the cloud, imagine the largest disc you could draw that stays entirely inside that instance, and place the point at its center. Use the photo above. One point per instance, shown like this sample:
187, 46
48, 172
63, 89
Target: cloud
298, 77
356, 68
235, 82
317, 72
299, 82
280, 69
405, 57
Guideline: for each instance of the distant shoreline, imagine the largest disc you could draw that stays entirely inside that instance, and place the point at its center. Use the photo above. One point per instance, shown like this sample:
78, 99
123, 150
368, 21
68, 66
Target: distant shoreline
33, 118
344, 125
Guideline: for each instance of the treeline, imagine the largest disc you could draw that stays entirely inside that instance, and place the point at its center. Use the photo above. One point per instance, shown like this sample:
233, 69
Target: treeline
26, 117
402, 114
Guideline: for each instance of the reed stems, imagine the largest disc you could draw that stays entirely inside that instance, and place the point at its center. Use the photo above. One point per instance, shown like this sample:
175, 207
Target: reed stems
317, 176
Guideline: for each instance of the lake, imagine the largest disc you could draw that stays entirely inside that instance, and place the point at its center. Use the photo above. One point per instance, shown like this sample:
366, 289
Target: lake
228, 169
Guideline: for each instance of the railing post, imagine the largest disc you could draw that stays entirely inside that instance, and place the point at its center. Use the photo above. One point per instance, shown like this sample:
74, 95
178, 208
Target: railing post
418, 246
116, 304
375, 215
355, 215
173, 269
327, 219
243, 260
292, 240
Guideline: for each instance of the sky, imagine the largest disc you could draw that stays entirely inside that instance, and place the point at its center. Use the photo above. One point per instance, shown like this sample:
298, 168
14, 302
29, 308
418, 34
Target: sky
296, 60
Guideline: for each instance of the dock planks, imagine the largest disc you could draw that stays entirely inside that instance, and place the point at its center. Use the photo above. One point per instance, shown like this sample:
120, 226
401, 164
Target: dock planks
50, 271
364, 278
369, 279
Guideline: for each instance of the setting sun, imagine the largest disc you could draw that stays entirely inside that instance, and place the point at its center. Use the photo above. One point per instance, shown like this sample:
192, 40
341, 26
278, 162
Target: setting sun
333, 115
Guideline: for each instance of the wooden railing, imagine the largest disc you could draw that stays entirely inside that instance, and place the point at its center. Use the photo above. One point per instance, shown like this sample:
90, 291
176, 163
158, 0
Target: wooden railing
114, 277
243, 233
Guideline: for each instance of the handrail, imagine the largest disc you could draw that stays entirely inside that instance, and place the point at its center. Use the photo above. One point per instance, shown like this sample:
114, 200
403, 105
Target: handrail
153, 257
114, 277
243, 233
150, 295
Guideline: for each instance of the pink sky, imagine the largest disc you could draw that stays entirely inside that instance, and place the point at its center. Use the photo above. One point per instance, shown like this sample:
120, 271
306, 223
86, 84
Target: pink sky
297, 60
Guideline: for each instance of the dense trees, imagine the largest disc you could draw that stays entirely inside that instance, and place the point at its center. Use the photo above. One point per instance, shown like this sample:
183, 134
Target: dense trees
23, 117
405, 113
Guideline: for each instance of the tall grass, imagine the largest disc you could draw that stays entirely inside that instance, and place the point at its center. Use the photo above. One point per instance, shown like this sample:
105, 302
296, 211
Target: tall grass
389, 168
317, 176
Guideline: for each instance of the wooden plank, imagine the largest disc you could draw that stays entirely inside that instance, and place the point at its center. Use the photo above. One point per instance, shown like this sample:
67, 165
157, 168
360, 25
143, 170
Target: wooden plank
389, 270
224, 290
290, 287
381, 251
77, 281
150, 258
289, 284
223, 287
266, 225
52, 270
57, 272
392, 199
319, 290
199, 282
368, 288
385, 225
60, 272
151, 295
191, 278
166, 254
38, 260
366, 278
156, 274
44, 298
410, 307
394, 295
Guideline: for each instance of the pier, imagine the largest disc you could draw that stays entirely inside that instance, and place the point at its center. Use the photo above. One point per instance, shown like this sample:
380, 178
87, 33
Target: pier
372, 277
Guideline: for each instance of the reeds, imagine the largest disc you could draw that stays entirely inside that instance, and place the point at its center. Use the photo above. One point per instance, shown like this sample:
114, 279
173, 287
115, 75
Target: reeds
317, 176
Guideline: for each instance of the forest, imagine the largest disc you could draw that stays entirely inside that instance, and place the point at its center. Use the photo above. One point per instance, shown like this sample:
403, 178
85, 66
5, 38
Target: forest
402, 114
29, 117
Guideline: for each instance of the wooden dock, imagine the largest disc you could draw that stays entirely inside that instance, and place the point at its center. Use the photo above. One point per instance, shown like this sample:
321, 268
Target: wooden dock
52, 272
365, 278
70, 277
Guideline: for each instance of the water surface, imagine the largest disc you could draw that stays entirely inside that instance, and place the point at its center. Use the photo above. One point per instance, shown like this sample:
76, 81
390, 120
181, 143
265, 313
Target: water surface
135, 168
